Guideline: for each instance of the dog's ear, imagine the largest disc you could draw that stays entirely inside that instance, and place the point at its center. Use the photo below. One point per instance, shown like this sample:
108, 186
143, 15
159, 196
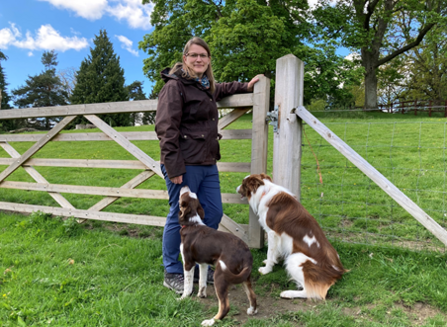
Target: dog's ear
201, 212
253, 182
184, 209
265, 176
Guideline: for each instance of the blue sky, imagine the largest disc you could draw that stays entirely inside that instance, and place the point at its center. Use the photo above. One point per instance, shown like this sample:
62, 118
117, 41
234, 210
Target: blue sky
30, 27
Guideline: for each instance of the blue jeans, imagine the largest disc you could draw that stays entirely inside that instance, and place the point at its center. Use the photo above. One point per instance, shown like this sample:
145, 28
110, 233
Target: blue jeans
204, 181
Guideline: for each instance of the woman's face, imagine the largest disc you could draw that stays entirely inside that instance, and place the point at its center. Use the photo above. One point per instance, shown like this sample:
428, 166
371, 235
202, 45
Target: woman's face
197, 59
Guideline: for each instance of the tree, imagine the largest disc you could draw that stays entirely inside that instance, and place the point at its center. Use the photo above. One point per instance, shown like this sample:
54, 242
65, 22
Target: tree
380, 30
427, 68
5, 98
100, 79
3, 85
246, 37
68, 79
135, 93
43, 90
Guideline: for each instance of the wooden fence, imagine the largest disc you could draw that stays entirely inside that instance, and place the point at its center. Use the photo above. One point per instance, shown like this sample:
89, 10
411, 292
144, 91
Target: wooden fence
288, 135
413, 106
258, 101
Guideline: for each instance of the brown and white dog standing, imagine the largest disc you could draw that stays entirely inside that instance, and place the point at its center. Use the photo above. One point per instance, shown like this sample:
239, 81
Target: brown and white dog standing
294, 235
203, 245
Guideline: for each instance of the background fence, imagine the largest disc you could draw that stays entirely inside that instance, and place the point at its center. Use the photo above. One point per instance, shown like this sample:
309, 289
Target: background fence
350, 206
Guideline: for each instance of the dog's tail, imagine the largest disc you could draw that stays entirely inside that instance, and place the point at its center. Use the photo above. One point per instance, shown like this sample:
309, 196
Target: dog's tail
233, 278
318, 279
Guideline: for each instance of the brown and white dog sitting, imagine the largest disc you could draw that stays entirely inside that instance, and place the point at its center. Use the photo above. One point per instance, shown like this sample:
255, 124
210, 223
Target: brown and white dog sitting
203, 245
293, 234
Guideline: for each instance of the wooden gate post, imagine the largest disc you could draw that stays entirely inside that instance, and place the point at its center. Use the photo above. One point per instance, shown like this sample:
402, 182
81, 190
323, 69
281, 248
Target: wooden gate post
287, 138
259, 151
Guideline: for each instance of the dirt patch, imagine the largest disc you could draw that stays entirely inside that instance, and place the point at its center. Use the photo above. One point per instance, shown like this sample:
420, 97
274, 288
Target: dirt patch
268, 305
420, 312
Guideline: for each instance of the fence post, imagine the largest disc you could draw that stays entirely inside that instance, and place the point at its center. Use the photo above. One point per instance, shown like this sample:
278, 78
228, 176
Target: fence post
445, 110
288, 137
259, 151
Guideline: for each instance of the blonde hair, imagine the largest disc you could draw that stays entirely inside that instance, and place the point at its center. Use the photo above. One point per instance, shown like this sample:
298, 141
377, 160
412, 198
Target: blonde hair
188, 71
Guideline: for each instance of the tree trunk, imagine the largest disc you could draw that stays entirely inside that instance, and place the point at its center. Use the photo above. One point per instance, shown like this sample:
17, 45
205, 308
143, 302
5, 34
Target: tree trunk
371, 89
369, 62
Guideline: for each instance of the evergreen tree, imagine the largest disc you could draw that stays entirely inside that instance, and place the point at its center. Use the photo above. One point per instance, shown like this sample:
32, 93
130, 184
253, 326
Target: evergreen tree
5, 98
101, 79
3, 85
43, 90
135, 92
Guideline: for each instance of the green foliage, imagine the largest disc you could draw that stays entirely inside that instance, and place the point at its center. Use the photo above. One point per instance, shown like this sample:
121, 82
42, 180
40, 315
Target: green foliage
42, 90
246, 38
4, 103
135, 91
379, 31
71, 226
427, 68
100, 79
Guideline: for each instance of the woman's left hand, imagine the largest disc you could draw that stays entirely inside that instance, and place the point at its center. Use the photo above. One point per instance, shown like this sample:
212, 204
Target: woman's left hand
252, 82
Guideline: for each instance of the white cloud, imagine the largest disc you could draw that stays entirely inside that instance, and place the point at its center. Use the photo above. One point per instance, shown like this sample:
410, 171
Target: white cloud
46, 38
134, 12
8, 36
127, 44
89, 9
353, 56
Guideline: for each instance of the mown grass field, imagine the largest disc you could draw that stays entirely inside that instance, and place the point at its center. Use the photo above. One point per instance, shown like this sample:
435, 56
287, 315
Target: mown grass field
58, 273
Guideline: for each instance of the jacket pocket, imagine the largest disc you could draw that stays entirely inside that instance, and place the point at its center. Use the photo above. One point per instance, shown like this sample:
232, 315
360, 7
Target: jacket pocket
193, 147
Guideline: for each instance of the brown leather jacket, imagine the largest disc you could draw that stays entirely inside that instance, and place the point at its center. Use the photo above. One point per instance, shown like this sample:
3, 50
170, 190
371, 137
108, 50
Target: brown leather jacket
186, 122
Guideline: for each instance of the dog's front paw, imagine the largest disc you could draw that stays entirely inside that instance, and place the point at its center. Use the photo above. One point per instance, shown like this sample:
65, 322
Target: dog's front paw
202, 292
288, 294
265, 270
266, 261
209, 322
252, 311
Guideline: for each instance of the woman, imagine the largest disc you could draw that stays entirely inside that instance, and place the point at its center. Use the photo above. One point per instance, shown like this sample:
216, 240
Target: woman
186, 125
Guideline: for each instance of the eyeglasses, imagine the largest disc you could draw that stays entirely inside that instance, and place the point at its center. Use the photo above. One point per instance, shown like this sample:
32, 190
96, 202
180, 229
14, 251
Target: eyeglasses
195, 55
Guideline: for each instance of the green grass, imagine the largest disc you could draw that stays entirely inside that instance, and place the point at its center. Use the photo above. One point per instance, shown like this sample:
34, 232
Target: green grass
60, 273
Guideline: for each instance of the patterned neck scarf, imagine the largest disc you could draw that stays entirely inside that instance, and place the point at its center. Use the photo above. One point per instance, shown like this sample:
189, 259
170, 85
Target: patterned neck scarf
204, 81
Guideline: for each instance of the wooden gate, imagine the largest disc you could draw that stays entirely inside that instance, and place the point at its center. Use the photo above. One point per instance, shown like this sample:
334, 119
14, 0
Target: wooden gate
287, 144
258, 101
